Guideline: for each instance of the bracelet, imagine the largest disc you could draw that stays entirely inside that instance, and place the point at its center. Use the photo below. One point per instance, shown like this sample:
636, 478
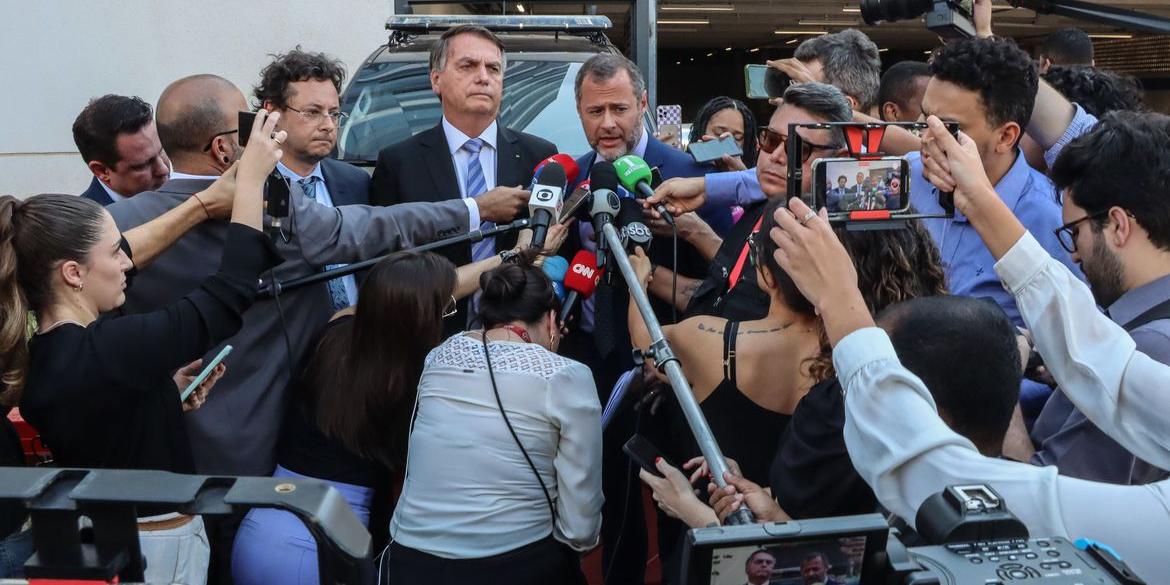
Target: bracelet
509, 256
201, 204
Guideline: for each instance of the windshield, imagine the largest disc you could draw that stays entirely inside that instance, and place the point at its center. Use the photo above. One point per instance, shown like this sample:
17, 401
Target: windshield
391, 101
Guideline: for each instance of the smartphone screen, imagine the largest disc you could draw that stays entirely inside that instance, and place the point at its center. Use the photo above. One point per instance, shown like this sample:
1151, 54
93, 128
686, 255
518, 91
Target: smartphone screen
644, 453
753, 76
245, 125
844, 184
205, 373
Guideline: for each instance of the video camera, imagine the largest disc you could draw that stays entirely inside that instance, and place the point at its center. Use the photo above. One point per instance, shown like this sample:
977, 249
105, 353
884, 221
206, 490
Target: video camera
864, 190
949, 19
972, 538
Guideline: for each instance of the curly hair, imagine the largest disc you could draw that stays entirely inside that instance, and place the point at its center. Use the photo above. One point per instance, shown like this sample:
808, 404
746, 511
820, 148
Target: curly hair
1096, 90
295, 65
892, 266
718, 104
1004, 76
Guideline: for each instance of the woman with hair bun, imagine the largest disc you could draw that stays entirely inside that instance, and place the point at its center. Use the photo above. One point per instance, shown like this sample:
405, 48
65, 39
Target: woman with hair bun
502, 482
105, 393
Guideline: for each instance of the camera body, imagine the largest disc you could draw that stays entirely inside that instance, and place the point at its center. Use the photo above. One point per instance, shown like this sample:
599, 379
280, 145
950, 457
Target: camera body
949, 19
864, 190
985, 544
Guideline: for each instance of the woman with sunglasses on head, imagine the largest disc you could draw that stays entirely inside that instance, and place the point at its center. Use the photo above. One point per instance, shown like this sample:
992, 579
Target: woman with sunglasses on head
353, 401
502, 482
105, 393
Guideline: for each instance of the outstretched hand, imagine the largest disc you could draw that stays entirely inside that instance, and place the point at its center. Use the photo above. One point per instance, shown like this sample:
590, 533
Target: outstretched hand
679, 194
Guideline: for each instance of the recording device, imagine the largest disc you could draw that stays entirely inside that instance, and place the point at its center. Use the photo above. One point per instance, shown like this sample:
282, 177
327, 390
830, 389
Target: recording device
544, 203
763, 82
604, 205
633, 230
974, 539
574, 202
713, 150
205, 373
644, 453
277, 186
949, 19
555, 267
580, 280
638, 178
876, 194
670, 121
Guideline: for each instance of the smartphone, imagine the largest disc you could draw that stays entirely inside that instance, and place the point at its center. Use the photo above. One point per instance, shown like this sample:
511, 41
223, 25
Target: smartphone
670, 122
843, 185
246, 119
763, 82
644, 453
713, 150
205, 373
574, 202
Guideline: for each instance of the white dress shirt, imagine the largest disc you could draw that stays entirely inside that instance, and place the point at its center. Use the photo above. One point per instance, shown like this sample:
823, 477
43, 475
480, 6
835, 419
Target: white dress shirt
322, 196
114, 195
906, 453
487, 159
468, 492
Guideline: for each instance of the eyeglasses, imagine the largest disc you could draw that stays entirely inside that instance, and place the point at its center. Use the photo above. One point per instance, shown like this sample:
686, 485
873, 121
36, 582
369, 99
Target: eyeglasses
211, 142
451, 308
769, 140
1067, 233
315, 116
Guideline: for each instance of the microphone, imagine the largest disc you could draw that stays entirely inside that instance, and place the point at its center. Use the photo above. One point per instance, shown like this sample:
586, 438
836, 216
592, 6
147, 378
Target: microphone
605, 205
554, 268
580, 280
633, 231
572, 171
544, 204
637, 177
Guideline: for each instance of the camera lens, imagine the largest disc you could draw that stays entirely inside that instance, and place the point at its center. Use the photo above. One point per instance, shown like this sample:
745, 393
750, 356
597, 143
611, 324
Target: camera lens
875, 11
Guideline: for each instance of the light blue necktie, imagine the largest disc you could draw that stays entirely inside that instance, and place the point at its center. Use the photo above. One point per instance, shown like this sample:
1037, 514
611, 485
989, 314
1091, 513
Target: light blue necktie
474, 187
338, 297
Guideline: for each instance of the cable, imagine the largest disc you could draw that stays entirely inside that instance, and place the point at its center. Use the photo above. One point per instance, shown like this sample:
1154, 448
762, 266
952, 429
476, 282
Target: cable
283, 324
625, 505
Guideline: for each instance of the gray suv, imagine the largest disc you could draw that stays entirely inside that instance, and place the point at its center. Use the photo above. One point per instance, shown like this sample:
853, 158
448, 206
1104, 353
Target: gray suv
390, 98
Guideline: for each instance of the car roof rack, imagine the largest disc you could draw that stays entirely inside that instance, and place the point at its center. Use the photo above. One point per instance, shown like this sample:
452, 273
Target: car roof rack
423, 23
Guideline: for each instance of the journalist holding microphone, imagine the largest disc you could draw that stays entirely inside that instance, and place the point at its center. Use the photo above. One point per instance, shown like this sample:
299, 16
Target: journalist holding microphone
908, 457
502, 482
101, 392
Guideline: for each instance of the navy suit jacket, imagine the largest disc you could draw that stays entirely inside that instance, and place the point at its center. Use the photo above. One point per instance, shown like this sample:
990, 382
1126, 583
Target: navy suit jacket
97, 193
347, 184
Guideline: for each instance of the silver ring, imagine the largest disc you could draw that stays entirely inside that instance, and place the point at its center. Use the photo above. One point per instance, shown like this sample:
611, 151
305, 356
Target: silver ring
808, 217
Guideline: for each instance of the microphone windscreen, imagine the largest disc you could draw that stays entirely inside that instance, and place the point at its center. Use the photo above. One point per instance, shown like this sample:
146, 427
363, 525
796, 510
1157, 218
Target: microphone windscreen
572, 170
553, 175
555, 267
583, 274
632, 170
603, 176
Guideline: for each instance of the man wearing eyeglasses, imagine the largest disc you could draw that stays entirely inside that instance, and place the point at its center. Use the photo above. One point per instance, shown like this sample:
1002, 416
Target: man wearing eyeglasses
304, 87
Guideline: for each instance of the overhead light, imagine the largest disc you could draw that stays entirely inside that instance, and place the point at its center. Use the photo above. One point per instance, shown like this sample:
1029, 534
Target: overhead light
755, 50
727, 49
692, 58
1109, 36
692, 22
678, 62
519, 8
927, 52
697, 7
849, 10
882, 50
791, 41
710, 54
813, 22
814, 33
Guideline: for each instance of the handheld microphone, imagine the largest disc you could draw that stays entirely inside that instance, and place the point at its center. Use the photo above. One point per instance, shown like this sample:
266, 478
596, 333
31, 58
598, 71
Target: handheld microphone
637, 177
605, 205
572, 170
580, 280
544, 204
633, 231
554, 268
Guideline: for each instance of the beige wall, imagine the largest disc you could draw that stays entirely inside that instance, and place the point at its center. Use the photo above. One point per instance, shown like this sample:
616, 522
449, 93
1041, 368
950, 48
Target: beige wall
60, 53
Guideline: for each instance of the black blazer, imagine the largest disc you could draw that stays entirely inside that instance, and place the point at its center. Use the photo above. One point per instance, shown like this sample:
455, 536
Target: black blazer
97, 193
420, 168
347, 184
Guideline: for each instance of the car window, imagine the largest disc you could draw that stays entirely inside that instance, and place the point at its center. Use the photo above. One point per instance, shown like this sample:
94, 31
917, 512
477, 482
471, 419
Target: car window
391, 101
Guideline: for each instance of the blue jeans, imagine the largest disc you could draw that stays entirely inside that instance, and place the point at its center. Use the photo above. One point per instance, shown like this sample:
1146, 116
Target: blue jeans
14, 551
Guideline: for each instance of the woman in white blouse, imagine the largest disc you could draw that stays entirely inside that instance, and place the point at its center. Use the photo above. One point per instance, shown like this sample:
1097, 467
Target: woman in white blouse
503, 478
907, 458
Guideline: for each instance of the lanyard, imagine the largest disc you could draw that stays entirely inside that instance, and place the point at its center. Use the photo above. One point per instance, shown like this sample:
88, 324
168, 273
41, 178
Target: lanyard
737, 271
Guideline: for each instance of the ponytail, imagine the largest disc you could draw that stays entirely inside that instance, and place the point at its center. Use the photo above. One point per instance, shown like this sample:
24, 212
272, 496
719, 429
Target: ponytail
35, 236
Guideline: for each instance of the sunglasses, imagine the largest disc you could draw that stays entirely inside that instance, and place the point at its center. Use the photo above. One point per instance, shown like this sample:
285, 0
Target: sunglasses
769, 140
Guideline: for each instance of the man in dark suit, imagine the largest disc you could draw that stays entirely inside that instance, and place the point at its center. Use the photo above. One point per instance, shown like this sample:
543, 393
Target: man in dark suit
236, 431
118, 141
612, 102
468, 153
304, 87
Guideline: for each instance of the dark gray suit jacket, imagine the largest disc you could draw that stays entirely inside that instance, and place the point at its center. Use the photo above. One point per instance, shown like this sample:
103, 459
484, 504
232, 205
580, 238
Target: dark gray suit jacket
236, 430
